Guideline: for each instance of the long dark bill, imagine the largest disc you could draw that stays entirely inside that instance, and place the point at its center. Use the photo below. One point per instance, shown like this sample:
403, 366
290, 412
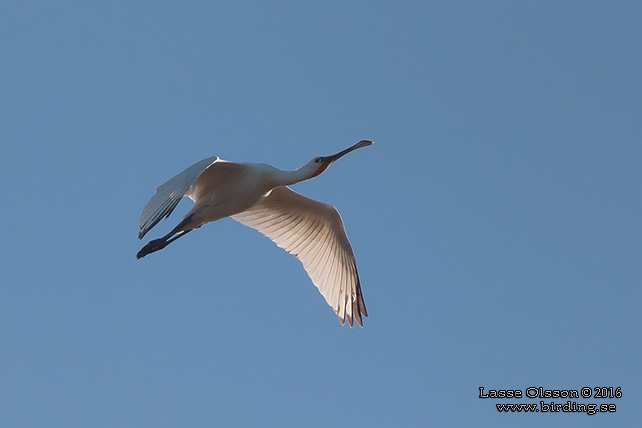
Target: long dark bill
362, 143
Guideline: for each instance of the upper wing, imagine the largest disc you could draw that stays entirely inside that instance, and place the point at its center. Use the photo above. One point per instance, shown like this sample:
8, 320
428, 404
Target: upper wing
314, 233
169, 194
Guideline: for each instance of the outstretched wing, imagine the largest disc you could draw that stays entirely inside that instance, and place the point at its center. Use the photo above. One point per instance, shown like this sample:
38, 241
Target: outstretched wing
169, 194
314, 233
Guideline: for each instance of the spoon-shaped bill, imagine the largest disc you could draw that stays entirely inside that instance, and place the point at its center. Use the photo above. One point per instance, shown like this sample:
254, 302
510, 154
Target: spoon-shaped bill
362, 143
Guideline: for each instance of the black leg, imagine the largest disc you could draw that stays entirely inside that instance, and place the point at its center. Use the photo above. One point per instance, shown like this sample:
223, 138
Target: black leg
160, 243
178, 235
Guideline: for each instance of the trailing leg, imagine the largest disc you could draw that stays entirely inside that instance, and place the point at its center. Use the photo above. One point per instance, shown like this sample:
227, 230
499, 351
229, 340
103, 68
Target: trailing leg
160, 243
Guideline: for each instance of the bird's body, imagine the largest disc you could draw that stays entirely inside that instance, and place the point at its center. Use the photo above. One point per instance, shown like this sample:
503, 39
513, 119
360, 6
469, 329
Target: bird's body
257, 195
228, 188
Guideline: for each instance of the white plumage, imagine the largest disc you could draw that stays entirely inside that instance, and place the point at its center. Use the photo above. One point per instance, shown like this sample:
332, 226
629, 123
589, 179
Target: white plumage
169, 194
314, 233
257, 196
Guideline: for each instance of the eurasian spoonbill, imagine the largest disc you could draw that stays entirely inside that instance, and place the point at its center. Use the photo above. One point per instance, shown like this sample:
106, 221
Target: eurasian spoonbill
257, 196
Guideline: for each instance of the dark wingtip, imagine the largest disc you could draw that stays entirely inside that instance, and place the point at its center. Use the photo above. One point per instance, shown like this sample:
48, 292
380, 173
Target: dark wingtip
362, 304
359, 306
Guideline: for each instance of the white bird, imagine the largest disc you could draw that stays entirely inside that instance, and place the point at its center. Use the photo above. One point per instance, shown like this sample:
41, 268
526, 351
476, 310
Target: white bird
257, 196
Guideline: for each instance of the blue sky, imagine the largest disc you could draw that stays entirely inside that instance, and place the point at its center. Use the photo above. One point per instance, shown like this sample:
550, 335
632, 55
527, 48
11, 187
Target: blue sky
496, 220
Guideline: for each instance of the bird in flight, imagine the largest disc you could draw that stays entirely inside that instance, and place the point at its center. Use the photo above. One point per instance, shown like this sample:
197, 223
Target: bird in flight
258, 196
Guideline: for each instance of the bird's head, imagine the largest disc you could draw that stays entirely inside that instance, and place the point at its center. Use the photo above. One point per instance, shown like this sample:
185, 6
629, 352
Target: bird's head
319, 164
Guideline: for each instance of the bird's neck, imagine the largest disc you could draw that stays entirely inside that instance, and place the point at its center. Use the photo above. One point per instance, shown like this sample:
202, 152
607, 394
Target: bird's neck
287, 178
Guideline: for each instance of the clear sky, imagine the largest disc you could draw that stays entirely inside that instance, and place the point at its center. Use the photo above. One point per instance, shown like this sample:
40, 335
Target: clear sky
496, 220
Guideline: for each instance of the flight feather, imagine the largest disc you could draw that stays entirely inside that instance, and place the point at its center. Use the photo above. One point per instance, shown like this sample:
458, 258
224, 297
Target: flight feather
314, 233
